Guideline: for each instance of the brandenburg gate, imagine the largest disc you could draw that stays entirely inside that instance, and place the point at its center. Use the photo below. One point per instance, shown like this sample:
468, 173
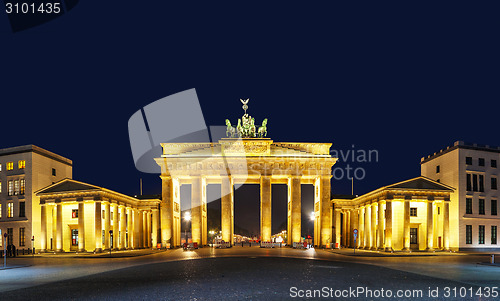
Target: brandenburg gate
245, 157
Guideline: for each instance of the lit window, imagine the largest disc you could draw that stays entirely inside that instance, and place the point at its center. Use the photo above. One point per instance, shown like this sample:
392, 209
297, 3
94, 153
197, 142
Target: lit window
74, 213
22, 183
0, 186
1, 240
0, 167
74, 237
22, 238
10, 209
21, 164
10, 165
16, 187
0, 212
11, 188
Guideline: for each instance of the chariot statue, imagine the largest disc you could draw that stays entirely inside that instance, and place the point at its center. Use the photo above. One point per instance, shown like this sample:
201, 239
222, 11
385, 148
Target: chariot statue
246, 127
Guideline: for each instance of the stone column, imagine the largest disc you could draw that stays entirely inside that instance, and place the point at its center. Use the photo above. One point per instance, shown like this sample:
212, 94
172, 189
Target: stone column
380, 228
406, 225
348, 235
354, 225
167, 212
361, 229
446, 225
430, 226
138, 228
366, 236
123, 228
116, 227
98, 226
130, 228
337, 227
227, 198
107, 225
43, 227
81, 225
388, 226
196, 208
373, 229
344, 229
154, 229
326, 213
148, 230
265, 208
294, 207
59, 230
144, 232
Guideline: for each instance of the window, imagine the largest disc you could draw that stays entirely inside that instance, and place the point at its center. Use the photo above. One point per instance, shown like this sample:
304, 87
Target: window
481, 162
10, 165
10, 209
468, 206
468, 234
54, 172
21, 164
468, 160
493, 207
22, 209
494, 183
11, 188
22, 238
0, 166
481, 206
1, 215
413, 211
74, 213
74, 237
16, 187
10, 236
493, 235
1, 240
494, 163
481, 234
22, 184
475, 182
0, 186
438, 168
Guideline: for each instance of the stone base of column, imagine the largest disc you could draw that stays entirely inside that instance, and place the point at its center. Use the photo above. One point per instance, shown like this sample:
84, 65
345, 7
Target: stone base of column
406, 250
429, 249
59, 251
42, 251
373, 248
98, 250
380, 249
82, 250
389, 249
115, 249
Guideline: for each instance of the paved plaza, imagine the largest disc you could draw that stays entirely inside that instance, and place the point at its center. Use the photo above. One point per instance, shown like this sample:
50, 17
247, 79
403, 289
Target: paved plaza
239, 273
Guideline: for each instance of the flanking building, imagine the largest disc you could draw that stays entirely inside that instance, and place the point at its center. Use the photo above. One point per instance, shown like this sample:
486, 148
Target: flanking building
473, 170
24, 170
405, 216
81, 217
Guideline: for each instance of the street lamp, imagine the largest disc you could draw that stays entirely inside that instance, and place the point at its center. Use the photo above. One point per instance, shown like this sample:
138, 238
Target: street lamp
312, 216
187, 218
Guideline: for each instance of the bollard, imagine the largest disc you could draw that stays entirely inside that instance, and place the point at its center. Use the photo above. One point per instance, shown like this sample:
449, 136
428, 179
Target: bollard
492, 258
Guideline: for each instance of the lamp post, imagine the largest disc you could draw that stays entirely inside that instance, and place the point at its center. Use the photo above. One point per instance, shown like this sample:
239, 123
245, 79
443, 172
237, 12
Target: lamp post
187, 218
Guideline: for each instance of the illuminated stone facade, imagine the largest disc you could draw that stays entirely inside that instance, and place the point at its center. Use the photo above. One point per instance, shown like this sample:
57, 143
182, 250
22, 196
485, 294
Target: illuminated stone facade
234, 161
81, 217
409, 215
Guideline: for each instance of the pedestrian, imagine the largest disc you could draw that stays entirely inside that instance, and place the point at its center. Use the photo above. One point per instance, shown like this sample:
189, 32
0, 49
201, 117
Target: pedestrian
9, 250
13, 250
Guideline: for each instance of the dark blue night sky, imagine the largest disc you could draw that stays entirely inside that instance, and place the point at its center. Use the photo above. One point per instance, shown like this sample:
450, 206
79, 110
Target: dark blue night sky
405, 81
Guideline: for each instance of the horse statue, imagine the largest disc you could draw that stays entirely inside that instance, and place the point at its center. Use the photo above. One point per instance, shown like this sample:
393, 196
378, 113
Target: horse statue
252, 128
239, 128
230, 130
263, 129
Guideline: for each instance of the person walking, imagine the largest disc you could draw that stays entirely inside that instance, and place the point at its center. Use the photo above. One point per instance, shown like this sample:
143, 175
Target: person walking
13, 250
9, 251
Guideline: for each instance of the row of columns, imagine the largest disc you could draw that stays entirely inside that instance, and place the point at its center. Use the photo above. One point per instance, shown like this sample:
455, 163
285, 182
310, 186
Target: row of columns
371, 233
141, 232
171, 204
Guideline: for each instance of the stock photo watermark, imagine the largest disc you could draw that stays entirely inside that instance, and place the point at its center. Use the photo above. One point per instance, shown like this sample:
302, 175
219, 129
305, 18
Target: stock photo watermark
352, 158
